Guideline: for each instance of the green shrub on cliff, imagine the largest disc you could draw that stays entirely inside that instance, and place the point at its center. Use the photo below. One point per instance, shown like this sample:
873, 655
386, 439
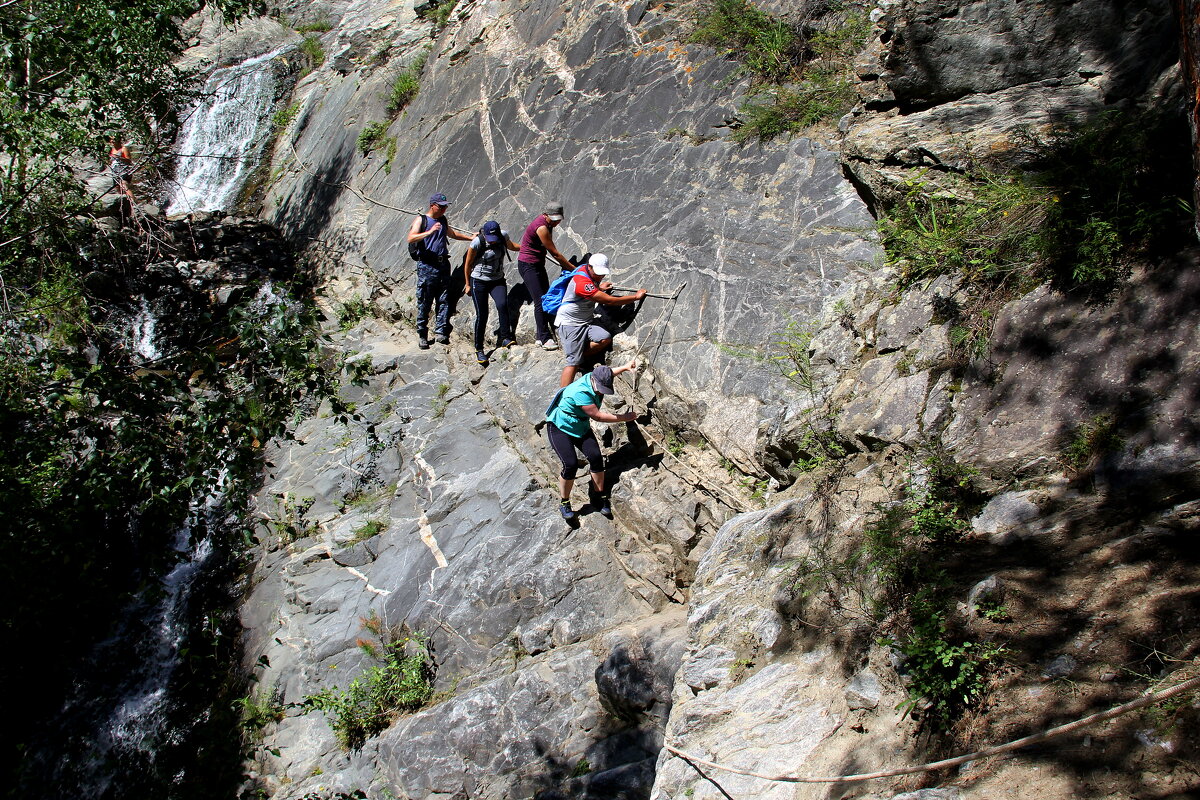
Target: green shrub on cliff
406, 85
313, 53
371, 136
801, 71
769, 48
401, 681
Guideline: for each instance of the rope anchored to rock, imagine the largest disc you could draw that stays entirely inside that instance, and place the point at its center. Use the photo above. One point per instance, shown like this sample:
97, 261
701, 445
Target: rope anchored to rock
987, 752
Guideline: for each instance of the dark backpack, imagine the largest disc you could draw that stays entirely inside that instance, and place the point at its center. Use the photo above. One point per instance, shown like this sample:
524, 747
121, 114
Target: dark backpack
553, 298
417, 249
501, 251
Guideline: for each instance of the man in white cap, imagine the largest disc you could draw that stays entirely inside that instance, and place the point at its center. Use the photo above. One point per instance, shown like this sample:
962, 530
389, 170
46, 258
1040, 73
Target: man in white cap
581, 338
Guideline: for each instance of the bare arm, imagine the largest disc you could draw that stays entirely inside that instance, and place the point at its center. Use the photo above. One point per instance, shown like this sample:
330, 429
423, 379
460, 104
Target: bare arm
414, 231
455, 233
603, 416
513, 247
611, 300
467, 265
547, 241
630, 367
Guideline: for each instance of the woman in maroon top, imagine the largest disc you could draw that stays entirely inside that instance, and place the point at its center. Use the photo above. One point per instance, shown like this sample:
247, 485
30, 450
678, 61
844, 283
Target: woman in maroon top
531, 262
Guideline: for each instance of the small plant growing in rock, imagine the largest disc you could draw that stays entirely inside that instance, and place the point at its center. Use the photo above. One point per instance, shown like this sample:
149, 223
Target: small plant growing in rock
371, 136
439, 401
352, 312
316, 26
284, 117
291, 526
313, 53
406, 85
258, 712
401, 682
368, 530
438, 12
1093, 439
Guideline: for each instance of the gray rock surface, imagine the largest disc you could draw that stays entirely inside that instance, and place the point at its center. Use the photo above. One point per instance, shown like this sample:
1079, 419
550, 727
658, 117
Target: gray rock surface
680, 621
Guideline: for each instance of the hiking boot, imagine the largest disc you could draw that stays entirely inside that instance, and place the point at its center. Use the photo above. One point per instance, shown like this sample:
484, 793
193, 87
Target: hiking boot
443, 339
549, 344
481, 358
602, 505
564, 508
422, 343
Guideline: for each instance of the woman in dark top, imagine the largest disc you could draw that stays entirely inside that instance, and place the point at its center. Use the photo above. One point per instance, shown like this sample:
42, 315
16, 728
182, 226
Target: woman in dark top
531, 262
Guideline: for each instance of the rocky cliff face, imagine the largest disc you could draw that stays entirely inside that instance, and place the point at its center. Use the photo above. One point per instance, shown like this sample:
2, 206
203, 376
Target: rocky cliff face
567, 657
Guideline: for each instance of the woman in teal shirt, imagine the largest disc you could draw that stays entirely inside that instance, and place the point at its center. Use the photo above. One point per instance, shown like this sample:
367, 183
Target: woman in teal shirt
569, 426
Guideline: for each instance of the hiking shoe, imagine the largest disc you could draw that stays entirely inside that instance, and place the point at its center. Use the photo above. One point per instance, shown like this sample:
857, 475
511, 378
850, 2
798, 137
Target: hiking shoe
443, 339
564, 508
423, 343
602, 506
549, 344
481, 358
509, 342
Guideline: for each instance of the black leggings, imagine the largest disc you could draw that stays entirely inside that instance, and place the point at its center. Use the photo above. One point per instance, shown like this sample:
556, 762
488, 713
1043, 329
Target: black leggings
564, 446
536, 283
480, 290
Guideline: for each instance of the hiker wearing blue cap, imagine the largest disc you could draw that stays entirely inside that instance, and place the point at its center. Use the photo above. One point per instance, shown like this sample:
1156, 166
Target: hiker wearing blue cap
427, 244
483, 272
569, 426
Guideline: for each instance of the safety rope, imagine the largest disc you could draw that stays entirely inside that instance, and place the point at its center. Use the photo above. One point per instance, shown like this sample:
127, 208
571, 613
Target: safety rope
1016, 744
362, 196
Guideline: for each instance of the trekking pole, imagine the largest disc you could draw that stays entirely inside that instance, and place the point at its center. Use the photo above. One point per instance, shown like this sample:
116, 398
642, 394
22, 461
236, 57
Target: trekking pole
650, 294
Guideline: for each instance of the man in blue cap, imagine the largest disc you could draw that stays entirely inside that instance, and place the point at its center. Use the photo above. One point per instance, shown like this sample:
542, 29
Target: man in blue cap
427, 241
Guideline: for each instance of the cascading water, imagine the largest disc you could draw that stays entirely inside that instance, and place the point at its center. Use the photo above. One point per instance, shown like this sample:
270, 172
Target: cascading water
142, 333
223, 136
150, 714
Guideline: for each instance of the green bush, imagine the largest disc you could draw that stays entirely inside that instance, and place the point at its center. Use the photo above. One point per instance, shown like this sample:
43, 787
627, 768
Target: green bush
988, 230
401, 682
791, 109
317, 26
1098, 196
371, 135
768, 48
438, 13
353, 311
947, 672
1119, 193
284, 117
898, 576
802, 73
313, 52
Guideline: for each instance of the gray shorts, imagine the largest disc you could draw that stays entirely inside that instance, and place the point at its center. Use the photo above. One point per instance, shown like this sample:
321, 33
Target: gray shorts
575, 338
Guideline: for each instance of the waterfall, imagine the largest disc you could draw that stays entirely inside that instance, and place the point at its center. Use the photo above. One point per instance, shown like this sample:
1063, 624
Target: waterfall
223, 136
142, 334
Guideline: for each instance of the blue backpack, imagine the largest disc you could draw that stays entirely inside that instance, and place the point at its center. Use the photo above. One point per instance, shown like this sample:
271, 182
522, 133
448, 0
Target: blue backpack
553, 298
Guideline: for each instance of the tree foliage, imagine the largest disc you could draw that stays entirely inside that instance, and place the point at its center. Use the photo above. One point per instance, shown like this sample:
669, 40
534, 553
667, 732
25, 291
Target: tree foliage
74, 72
